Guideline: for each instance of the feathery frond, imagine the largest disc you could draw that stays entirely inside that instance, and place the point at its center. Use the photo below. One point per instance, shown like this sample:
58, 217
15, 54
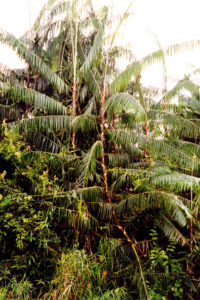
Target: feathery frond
44, 123
170, 230
17, 92
88, 165
35, 62
120, 83
123, 102
175, 181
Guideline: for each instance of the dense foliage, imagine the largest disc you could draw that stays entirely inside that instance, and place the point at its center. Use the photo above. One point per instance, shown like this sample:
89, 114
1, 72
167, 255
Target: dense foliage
99, 182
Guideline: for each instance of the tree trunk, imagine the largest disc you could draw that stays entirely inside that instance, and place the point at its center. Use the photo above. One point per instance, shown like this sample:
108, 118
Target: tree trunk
102, 138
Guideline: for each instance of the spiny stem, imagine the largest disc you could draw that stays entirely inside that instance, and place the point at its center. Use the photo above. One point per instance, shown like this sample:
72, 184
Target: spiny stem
133, 246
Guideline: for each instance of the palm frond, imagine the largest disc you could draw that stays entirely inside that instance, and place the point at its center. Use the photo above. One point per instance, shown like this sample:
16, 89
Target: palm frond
35, 62
170, 230
168, 202
175, 181
88, 165
123, 102
75, 219
105, 211
9, 113
44, 123
189, 147
123, 178
42, 13
180, 125
91, 194
121, 81
84, 123
92, 77
47, 142
156, 147
96, 47
54, 160
17, 92
185, 83
91, 107
190, 103
118, 159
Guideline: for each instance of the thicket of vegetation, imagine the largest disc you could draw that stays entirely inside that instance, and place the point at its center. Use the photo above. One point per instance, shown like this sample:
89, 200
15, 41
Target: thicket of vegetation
99, 182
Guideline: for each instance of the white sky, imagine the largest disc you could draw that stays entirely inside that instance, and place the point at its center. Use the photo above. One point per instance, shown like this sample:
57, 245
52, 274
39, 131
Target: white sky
172, 21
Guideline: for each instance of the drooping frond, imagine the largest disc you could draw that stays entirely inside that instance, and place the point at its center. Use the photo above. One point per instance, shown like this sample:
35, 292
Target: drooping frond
75, 219
105, 211
174, 154
190, 103
175, 181
50, 30
92, 77
55, 160
178, 124
9, 113
44, 123
121, 21
123, 102
185, 83
118, 159
42, 13
121, 81
170, 230
17, 92
95, 49
91, 107
84, 123
190, 148
35, 62
88, 165
156, 146
91, 194
123, 178
47, 142
168, 202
